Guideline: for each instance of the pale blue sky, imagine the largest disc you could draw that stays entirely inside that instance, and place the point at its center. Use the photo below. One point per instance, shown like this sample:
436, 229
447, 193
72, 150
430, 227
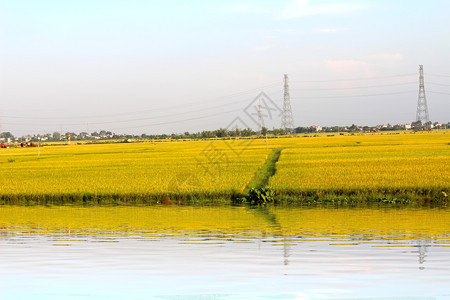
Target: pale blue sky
165, 66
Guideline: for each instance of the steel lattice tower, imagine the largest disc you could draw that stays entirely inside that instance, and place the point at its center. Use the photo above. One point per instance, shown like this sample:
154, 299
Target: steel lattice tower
287, 121
260, 117
422, 108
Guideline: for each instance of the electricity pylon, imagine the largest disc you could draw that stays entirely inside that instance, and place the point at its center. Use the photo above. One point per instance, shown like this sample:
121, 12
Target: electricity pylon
422, 108
287, 121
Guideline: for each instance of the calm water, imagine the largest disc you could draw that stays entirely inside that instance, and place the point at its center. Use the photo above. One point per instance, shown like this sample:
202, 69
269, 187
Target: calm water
223, 252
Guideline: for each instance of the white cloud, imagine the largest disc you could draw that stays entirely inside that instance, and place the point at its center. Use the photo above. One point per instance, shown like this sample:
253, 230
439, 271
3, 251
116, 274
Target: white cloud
260, 48
247, 8
386, 56
327, 30
304, 8
296, 8
349, 67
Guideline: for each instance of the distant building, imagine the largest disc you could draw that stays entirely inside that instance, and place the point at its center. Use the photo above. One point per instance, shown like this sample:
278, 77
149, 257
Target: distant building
315, 128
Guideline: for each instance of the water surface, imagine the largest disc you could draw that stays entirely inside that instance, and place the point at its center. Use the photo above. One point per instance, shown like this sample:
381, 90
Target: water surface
223, 252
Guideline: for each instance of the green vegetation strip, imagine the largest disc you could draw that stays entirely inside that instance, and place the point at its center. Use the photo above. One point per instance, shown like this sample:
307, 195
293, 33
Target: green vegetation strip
262, 176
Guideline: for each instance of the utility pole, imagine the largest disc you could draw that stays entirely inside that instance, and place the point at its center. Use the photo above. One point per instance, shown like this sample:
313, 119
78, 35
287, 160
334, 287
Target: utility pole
287, 121
422, 108
260, 117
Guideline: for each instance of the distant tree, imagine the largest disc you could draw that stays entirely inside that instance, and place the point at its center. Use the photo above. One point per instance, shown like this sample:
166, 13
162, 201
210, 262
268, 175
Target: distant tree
237, 132
83, 135
56, 135
221, 132
247, 132
301, 130
416, 125
353, 128
6, 135
398, 127
207, 134
264, 130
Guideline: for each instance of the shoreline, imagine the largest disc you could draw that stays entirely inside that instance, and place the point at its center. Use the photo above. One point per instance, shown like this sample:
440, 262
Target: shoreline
341, 197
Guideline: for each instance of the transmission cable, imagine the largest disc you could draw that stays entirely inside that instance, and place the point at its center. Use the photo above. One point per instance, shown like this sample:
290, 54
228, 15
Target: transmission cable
442, 93
132, 120
356, 79
352, 96
354, 88
440, 84
272, 85
437, 75
177, 121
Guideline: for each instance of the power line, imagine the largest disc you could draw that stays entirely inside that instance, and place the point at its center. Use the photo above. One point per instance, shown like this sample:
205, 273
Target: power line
442, 93
438, 75
131, 120
120, 121
356, 79
267, 86
354, 88
177, 121
355, 96
440, 84
57, 120
155, 124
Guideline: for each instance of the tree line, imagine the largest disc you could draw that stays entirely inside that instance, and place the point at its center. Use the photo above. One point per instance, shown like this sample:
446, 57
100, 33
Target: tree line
223, 132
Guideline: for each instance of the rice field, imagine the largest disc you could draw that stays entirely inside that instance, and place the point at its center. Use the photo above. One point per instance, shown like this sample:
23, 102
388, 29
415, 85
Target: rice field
145, 171
392, 165
312, 167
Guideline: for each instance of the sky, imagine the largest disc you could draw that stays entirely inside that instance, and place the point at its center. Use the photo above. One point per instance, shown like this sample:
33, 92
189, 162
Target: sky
140, 66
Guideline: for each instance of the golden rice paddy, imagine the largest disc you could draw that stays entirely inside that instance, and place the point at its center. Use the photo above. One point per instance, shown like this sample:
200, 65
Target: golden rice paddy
400, 163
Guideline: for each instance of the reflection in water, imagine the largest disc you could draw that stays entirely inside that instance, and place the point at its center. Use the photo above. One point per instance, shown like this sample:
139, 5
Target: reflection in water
268, 214
144, 252
286, 253
422, 251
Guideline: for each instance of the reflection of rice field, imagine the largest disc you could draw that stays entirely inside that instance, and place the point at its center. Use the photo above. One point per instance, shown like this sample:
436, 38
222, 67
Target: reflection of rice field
229, 221
406, 165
